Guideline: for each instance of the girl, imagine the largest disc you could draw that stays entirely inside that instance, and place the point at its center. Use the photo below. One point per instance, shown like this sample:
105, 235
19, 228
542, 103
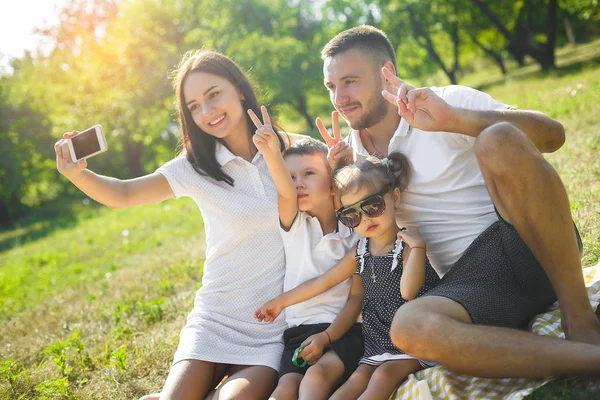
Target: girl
222, 171
392, 266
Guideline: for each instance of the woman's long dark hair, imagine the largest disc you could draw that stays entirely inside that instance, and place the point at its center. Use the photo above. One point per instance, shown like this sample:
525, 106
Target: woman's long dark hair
198, 145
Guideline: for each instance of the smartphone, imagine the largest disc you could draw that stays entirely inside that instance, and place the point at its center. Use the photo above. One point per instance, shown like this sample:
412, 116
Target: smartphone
87, 143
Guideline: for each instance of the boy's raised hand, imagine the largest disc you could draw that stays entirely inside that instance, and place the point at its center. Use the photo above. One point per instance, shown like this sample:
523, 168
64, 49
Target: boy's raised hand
338, 149
265, 139
314, 347
420, 107
269, 311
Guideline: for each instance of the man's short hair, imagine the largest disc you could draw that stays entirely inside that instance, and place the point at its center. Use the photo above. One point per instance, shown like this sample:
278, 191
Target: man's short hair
364, 38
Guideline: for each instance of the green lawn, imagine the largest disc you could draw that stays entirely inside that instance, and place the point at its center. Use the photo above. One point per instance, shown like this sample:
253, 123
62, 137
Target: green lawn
92, 300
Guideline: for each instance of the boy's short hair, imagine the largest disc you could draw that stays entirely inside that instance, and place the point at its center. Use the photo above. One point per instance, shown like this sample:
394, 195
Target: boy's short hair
306, 147
365, 38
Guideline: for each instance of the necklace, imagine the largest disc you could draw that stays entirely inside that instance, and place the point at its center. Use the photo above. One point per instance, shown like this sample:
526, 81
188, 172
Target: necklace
375, 254
376, 152
373, 276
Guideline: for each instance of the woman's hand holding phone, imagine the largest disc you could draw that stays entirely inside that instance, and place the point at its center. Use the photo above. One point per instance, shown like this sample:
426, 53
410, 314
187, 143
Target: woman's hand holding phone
73, 171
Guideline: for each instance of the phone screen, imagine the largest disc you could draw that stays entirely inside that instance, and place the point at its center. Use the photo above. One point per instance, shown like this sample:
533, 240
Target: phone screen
85, 143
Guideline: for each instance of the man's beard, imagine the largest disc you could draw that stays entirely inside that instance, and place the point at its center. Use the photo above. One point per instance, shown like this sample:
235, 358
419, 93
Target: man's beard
375, 115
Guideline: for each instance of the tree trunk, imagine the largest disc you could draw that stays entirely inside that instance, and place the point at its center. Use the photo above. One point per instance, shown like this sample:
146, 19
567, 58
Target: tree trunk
551, 33
521, 41
133, 158
304, 112
425, 41
495, 56
569, 31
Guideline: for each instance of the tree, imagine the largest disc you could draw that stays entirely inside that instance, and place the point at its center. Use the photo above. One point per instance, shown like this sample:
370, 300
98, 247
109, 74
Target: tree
523, 38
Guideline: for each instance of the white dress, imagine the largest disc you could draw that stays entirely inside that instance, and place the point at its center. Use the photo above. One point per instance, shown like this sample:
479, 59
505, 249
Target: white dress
244, 264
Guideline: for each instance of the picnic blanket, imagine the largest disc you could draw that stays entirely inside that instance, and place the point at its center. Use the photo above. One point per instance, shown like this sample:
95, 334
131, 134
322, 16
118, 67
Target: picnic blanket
443, 384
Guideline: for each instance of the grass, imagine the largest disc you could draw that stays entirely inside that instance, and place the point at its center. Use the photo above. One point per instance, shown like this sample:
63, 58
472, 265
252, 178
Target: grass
92, 300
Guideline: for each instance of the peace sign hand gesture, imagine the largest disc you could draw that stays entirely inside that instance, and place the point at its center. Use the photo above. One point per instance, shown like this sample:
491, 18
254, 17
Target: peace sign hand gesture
339, 150
421, 108
265, 139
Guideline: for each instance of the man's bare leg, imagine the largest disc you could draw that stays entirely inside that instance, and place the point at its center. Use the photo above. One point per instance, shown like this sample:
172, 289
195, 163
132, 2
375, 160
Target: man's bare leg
439, 329
530, 195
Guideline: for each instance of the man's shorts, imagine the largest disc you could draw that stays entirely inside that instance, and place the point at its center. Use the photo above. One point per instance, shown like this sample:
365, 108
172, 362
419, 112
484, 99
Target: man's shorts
498, 280
349, 348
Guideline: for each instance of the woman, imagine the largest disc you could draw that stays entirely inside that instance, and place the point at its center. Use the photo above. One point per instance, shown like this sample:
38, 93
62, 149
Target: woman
222, 171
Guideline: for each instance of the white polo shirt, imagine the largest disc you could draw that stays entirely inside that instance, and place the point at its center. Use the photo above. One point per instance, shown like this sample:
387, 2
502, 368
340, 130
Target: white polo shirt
308, 254
446, 199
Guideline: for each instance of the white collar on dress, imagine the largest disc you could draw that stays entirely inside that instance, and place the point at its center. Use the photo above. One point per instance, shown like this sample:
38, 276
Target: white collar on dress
223, 155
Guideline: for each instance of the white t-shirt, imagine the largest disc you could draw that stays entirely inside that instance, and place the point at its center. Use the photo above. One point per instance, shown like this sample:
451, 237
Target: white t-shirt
309, 254
446, 199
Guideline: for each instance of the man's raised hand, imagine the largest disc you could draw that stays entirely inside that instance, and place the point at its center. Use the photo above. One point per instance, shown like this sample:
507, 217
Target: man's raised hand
265, 139
338, 149
421, 108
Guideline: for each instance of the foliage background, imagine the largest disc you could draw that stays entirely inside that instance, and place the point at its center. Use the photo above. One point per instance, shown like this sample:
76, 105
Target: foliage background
109, 63
92, 299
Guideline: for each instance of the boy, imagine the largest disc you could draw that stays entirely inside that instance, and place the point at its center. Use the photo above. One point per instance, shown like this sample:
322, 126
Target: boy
313, 242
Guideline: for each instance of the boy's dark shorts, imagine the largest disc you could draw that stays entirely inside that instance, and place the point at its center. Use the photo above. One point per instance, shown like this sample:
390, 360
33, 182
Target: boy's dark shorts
498, 280
349, 348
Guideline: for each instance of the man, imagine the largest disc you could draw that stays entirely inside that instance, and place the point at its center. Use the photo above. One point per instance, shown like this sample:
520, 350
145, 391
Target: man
493, 212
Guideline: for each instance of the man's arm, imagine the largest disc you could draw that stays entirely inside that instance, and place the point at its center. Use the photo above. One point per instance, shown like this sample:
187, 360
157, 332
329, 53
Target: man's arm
547, 134
424, 109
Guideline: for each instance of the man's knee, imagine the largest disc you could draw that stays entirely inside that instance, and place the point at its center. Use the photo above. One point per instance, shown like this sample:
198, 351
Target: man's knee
502, 148
417, 328
409, 329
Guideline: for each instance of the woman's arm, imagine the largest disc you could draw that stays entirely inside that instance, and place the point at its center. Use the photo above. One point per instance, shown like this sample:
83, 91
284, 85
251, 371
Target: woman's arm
265, 140
309, 289
111, 192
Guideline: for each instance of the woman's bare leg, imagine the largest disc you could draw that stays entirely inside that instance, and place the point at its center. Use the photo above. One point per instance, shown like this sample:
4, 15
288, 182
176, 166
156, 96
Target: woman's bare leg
251, 382
190, 379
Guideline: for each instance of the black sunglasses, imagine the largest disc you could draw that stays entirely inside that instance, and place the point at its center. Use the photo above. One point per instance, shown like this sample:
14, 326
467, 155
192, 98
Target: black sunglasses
373, 206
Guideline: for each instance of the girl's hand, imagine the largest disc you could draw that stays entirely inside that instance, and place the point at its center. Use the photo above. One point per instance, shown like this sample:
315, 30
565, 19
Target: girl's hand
269, 311
314, 347
338, 149
412, 238
72, 171
265, 139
